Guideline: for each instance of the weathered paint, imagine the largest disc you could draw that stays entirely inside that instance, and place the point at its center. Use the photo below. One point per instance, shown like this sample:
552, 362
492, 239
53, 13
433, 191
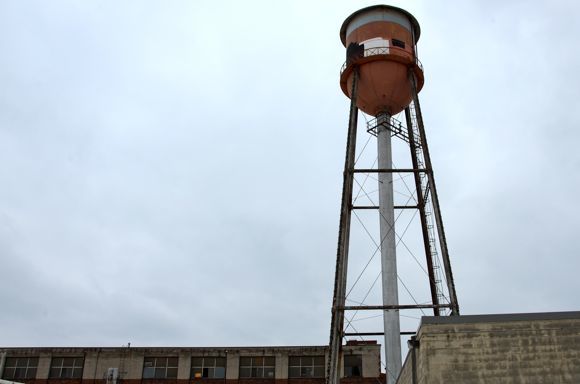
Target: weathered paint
525, 348
384, 77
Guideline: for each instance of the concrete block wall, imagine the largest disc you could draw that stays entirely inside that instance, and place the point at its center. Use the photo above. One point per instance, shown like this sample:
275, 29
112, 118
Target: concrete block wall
132, 367
232, 365
521, 348
184, 367
371, 358
43, 368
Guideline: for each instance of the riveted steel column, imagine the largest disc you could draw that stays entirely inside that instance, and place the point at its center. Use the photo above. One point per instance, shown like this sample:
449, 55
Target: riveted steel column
339, 298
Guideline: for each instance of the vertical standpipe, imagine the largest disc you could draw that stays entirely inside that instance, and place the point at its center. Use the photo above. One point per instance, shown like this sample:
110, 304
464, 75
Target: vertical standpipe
388, 250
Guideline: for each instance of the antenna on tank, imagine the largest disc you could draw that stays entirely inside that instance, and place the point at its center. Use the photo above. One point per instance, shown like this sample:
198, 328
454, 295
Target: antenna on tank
382, 76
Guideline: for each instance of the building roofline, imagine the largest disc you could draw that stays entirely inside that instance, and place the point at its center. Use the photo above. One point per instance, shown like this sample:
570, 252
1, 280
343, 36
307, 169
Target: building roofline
193, 349
501, 317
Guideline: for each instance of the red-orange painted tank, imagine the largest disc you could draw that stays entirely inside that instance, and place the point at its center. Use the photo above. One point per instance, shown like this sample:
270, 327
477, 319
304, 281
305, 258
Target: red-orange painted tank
380, 43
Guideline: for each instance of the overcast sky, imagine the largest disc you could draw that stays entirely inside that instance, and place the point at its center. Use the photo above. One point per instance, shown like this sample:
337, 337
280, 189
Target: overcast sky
170, 171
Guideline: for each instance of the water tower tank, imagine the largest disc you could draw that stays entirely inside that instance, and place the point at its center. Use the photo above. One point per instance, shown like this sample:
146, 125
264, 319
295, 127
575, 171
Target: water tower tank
380, 42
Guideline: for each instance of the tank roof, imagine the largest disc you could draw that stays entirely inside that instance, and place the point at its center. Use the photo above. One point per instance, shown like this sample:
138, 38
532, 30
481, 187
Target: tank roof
414, 22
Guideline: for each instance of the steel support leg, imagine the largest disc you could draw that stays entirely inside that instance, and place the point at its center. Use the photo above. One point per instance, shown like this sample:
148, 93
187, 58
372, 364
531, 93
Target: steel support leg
339, 298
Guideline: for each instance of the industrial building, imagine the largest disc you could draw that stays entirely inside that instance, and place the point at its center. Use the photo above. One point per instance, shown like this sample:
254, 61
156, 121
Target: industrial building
166, 365
504, 348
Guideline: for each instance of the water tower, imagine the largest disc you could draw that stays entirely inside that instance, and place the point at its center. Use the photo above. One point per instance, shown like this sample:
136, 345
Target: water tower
382, 77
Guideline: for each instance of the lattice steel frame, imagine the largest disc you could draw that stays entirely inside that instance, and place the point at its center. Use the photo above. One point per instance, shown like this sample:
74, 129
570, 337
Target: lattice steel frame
417, 140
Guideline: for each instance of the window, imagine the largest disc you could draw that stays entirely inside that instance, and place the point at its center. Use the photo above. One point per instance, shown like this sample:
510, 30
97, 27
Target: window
20, 368
66, 368
208, 367
354, 52
352, 365
160, 368
376, 42
398, 43
257, 367
305, 366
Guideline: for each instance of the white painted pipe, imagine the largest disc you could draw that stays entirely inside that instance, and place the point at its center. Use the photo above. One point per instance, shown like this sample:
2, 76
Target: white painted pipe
388, 252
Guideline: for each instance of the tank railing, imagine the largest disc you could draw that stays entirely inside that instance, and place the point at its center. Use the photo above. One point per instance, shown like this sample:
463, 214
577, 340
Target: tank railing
375, 51
395, 126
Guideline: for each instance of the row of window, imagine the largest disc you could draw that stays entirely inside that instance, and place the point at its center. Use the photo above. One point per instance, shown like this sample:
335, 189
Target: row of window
60, 368
18, 368
250, 367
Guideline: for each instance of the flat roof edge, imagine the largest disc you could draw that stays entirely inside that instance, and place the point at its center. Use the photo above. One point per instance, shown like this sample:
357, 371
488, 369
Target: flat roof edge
289, 348
500, 317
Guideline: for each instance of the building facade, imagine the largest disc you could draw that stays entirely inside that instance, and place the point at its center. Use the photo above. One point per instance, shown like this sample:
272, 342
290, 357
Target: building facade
131, 365
507, 348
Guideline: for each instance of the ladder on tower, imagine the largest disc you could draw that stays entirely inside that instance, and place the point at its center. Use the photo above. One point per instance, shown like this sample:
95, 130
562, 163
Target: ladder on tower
442, 276
427, 207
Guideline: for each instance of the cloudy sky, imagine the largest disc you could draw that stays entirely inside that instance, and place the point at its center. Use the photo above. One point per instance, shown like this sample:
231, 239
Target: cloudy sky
170, 171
